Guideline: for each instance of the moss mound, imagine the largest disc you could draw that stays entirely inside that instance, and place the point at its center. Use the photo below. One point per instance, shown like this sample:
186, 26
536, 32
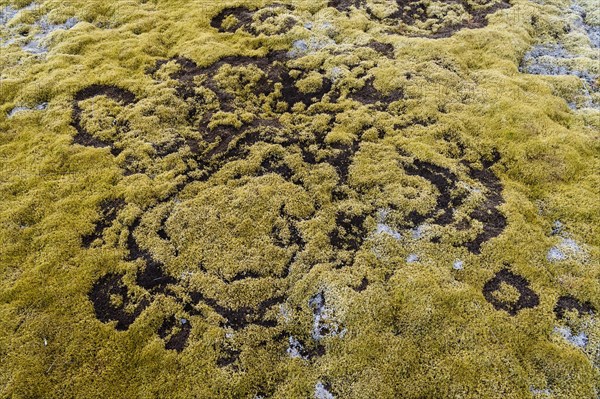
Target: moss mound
330, 199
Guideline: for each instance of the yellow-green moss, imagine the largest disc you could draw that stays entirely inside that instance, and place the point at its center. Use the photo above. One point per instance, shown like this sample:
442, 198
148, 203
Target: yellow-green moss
419, 329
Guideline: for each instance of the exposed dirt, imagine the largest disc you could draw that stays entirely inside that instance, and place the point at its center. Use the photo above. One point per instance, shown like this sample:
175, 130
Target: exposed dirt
445, 181
242, 15
349, 232
342, 159
364, 283
228, 357
152, 277
386, 49
411, 12
83, 137
568, 303
109, 209
112, 302
494, 222
368, 95
250, 20
527, 298
346, 5
175, 332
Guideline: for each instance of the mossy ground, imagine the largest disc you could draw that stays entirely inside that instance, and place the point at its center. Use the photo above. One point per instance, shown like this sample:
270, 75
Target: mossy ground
287, 173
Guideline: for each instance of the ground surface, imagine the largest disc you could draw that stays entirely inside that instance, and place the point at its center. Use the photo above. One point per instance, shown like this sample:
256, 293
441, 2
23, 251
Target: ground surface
343, 199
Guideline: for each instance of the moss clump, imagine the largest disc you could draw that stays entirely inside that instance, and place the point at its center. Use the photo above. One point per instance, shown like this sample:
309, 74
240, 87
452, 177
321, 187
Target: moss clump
232, 207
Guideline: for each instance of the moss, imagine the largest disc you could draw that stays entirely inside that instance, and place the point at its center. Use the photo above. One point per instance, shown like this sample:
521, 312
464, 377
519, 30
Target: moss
242, 206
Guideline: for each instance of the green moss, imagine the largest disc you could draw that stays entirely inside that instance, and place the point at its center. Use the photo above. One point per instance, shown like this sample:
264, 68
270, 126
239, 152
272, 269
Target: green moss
417, 329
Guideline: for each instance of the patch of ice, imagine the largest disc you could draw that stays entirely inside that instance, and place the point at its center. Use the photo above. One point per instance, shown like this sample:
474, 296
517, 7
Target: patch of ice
557, 227
458, 265
555, 255
6, 14
540, 392
37, 44
336, 73
303, 47
383, 228
295, 348
565, 249
284, 312
580, 340
412, 258
418, 232
324, 322
321, 392
19, 109
593, 32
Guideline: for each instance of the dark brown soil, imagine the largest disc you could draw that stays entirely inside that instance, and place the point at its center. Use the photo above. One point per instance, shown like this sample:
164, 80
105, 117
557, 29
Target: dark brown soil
342, 159
118, 94
568, 303
274, 164
176, 333
152, 277
527, 298
494, 222
368, 95
349, 232
246, 19
228, 357
109, 209
386, 49
364, 283
412, 11
445, 181
111, 285
346, 5
242, 14
240, 318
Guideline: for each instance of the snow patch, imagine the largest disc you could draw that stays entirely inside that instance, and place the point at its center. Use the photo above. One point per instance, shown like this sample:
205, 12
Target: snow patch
303, 47
412, 258
38, 44
580, 340
321, 391
295, 348
324, 321
567, 248
19, 109
383, 228
458, 264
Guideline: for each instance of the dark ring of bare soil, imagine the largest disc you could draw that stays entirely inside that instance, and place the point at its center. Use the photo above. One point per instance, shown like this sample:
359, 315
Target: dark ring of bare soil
112, 302
568, 303
527, 297
222, 145
118, 94
247, 19
413, 11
